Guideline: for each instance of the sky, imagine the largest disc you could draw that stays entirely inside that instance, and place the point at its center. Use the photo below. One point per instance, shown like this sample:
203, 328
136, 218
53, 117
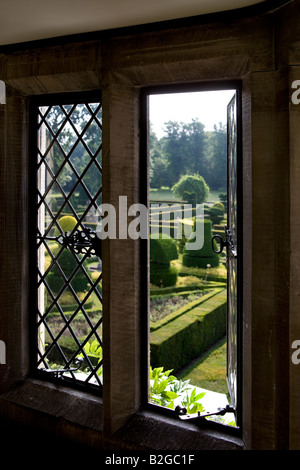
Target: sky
209, 107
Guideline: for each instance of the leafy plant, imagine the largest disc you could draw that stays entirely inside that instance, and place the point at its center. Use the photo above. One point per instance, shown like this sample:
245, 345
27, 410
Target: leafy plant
165, 388
191, 401
159, 381
191, 188
93, 350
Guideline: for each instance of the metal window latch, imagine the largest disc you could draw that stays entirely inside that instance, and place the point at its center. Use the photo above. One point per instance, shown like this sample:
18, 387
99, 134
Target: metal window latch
181, 412
59, 372
83, 241
229, 243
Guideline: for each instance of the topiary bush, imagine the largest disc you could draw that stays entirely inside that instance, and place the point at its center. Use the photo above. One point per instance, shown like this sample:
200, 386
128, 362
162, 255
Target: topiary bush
67, 223
205, 255
191, 188
215, 214
163, 276
219, 205
67, 263
162, 250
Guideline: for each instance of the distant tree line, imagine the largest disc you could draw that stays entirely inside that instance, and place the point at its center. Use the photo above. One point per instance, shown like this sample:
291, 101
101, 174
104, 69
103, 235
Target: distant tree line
188, 149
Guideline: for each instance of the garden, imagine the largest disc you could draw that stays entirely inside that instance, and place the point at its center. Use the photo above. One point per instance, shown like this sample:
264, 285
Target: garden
187, 312
188, 294
188, 307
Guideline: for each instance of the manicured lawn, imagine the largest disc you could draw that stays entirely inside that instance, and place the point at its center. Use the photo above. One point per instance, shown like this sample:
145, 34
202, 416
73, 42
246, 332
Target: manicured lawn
209, 371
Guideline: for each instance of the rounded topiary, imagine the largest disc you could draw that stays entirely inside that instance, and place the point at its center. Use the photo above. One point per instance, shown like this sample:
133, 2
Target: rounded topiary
215, 214
67, 264
67, 223
219, 205
163, 276
163, 250
191, 188
205, 255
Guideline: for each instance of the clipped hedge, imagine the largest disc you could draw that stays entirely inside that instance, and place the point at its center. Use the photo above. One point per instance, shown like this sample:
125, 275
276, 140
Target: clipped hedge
185, 337
158, 292
205, 255
162, 250
67, 223
68, 263
163, 276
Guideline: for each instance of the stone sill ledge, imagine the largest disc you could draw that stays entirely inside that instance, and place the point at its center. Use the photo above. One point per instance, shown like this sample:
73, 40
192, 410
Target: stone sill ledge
39, 411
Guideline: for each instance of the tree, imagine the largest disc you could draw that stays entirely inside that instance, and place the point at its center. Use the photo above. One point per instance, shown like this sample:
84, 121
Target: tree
217, 156
158, 169
194, 148
191, 188
183, 147
66, 123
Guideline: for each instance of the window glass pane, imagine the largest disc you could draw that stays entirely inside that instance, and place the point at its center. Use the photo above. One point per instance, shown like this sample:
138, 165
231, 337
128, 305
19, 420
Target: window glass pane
69, 269
188, 281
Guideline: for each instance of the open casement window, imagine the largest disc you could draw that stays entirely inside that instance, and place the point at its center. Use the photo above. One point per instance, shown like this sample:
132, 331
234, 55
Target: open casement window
233, 249
66, 261
193, 293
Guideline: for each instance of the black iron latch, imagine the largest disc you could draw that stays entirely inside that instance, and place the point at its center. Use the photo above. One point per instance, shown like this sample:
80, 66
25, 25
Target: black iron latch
58, 373
229, 243
83, 241
181, 412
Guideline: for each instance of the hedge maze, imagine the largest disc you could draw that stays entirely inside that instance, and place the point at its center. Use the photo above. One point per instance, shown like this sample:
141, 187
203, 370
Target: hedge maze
186, 333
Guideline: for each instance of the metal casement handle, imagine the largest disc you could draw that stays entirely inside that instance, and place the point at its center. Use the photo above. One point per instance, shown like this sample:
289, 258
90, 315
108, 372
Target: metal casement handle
181, 413
221, 241
81, 241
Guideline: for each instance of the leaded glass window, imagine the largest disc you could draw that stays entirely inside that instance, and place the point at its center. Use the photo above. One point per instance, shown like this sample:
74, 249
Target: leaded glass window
68, 317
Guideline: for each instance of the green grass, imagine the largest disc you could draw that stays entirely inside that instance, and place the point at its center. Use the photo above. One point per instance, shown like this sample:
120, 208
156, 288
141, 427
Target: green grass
209, 371
217, 272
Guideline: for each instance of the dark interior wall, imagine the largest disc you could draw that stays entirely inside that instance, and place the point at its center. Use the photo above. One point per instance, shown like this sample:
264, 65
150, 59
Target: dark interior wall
263, 51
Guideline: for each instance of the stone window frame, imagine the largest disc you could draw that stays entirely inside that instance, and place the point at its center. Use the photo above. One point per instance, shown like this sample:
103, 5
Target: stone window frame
121, 63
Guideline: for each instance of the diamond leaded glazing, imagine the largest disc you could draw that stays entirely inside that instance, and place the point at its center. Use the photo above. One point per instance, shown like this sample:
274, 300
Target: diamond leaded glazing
69, 283
232, 316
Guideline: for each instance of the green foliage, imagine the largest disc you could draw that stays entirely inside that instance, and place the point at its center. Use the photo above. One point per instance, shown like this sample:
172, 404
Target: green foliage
215, 214
191, 188
223, 198
205, 255
67, 223
67, 263
191, 402
79, 156
94, 352
163, 250
220, 205
187, 147
165, 388
159, 381
183, 338
163, 276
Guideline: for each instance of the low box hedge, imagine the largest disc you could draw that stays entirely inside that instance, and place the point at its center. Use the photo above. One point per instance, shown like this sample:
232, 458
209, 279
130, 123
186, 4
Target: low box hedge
189, 288
176, 343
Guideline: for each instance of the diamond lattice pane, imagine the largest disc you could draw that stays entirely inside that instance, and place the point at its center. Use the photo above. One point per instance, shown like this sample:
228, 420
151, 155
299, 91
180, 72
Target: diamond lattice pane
69, 285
